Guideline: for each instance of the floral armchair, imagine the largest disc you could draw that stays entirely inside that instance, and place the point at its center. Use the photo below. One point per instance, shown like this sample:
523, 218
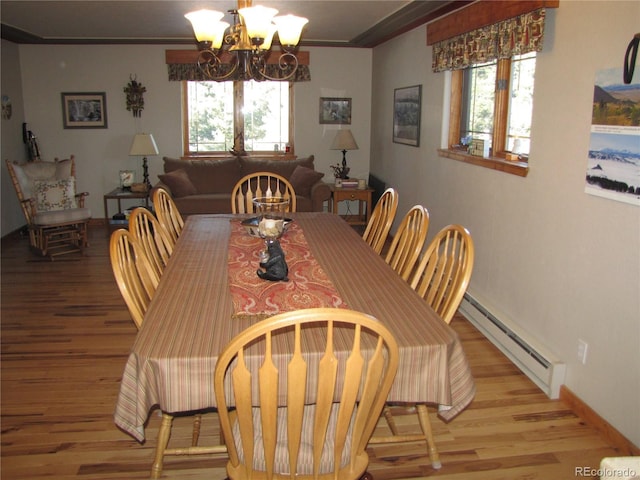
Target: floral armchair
56, 217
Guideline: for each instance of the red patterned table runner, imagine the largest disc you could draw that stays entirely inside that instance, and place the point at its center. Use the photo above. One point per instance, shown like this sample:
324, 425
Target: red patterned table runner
308, 285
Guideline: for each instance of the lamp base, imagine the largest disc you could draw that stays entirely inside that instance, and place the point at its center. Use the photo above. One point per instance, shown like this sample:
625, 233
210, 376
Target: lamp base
145, 173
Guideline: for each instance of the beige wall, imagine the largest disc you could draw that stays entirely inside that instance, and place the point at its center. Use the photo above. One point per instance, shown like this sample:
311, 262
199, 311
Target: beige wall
560, 263
48, 70
12, 146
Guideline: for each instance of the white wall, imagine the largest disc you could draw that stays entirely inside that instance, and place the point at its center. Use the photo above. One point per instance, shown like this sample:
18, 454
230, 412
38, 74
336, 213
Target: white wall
562, 264
49, 70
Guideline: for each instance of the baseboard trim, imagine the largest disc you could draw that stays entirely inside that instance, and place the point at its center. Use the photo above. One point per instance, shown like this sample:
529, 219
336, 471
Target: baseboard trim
608, 432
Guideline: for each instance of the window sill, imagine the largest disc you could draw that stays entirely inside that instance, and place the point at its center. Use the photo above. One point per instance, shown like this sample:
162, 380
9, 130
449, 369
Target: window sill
514, 168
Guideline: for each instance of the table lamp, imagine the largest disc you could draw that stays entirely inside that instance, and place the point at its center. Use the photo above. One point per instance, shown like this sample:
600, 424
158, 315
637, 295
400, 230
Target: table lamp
144, 144
344, 141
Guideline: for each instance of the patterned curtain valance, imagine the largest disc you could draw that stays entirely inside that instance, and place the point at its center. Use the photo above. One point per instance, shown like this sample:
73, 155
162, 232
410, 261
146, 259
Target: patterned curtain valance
191, 71
514, 36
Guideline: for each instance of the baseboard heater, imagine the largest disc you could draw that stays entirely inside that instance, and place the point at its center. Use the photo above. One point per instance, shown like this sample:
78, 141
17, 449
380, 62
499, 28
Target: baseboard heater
540, 365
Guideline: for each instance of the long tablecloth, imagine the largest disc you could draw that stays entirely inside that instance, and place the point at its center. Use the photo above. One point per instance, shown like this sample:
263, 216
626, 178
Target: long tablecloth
190, 321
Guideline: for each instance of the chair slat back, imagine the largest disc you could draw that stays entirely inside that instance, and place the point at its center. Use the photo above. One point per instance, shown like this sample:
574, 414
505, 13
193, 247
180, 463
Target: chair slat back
134, 275
381, 220
168, 214
297, 421
443, 275
152, 238
408, 241
261, 184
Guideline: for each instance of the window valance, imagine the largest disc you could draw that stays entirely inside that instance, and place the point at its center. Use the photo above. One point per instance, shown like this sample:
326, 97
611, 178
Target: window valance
183, 65
514, 36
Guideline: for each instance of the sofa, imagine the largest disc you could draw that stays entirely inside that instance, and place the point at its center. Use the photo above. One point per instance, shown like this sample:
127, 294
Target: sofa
204, 186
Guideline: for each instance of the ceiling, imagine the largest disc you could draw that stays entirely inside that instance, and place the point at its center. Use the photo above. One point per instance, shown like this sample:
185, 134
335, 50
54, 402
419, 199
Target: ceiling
355, 23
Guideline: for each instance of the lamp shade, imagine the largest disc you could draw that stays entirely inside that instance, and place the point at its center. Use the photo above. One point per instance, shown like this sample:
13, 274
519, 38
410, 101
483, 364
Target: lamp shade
344, 141
257, 20
207, 26
143, 144
290, 28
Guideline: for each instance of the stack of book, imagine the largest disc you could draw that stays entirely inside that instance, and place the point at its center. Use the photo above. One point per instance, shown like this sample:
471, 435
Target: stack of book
350, 183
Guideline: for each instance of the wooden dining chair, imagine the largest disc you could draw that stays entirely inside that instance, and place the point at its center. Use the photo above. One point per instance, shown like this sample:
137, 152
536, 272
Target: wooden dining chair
441, 278
152, 237
408, 241
381, 220
284, 419
134, 274
168, 214
261, 184
443, 274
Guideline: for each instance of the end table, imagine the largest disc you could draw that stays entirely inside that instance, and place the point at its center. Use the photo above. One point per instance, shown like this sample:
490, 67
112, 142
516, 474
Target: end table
362, 195
119, 195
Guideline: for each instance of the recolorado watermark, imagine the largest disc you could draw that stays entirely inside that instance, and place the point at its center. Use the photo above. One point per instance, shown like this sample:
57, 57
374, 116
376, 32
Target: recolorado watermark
608, 472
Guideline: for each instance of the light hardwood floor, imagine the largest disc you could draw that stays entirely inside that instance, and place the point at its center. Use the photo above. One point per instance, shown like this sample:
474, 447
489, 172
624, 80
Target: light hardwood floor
65, 337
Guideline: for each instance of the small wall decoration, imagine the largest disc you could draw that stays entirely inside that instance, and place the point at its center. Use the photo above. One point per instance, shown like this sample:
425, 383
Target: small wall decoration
336, 111
406, 115
135, 96
84, 110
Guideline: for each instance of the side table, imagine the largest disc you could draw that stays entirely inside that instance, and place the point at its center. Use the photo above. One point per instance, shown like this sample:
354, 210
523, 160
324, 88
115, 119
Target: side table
362, 195
119, 195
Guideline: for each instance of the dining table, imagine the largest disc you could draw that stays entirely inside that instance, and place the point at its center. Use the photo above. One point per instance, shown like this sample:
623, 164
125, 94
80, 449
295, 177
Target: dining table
209, 293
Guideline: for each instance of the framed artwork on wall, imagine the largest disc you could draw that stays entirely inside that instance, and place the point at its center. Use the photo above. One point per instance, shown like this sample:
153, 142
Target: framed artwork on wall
406, 115
84, 110
335, 111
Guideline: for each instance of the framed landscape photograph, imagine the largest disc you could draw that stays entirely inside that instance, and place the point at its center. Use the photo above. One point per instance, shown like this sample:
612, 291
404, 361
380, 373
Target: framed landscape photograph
406, 115
335, 111
84, 110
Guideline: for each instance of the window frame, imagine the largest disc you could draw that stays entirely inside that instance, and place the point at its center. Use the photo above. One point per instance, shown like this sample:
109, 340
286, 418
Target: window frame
238, 127
497, 160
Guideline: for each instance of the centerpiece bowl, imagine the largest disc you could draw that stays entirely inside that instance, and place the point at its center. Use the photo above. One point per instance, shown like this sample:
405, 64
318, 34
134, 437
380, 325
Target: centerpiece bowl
271, 220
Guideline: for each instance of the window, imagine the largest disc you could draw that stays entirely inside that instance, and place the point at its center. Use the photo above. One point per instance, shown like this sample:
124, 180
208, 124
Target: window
493, 101
250, 116
478, 101
523, 69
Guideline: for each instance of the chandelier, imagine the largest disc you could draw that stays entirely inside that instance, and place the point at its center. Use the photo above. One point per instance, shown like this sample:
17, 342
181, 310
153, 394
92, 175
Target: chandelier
243, 51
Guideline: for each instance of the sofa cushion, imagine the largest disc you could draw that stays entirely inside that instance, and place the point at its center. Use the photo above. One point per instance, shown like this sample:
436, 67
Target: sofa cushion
179, 183
55, 194
208, 176
281, 167
204, 203
303, 178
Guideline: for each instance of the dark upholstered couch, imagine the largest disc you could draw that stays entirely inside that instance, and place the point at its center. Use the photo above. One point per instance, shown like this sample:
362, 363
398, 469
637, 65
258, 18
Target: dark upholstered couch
204, 186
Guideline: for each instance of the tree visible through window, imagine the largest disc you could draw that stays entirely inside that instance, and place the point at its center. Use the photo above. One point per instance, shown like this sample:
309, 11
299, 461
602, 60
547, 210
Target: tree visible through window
220, 114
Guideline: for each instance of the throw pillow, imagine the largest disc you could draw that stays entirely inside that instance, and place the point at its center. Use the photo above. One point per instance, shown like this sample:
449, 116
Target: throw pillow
54, 195
303, 178
179, 183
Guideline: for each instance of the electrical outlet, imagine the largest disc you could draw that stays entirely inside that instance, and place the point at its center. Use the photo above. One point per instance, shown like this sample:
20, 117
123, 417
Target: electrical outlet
582, 351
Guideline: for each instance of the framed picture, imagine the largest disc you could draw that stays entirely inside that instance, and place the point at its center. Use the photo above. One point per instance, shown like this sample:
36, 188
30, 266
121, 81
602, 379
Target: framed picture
335, 111
127, 178
84, 110
406, 115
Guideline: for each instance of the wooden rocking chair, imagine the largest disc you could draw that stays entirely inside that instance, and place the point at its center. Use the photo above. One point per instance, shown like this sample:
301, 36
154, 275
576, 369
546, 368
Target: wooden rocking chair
56, 217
